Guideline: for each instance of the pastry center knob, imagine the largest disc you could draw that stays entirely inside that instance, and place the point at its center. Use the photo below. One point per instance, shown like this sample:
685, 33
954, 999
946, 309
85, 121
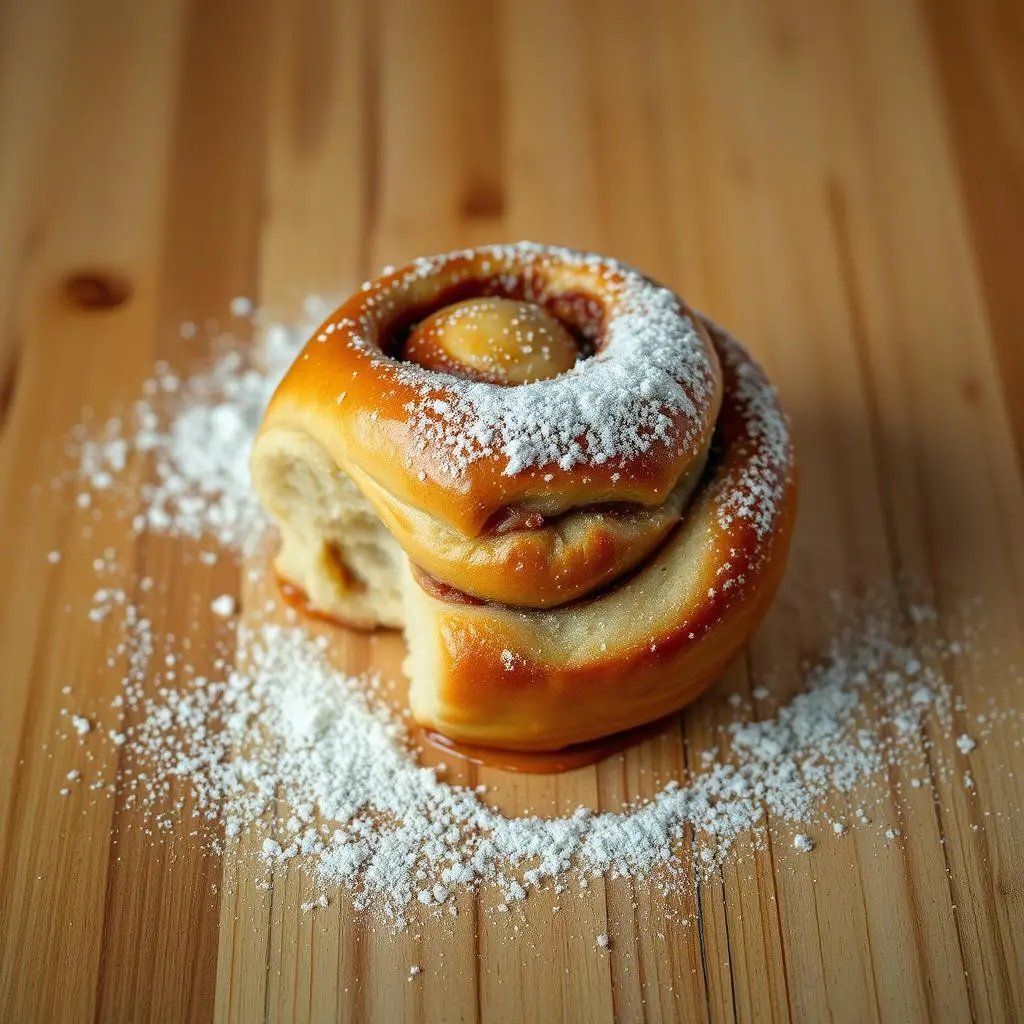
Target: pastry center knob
493, 339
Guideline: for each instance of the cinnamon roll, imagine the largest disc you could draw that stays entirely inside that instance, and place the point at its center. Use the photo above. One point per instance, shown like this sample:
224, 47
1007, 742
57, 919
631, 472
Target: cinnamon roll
573, 493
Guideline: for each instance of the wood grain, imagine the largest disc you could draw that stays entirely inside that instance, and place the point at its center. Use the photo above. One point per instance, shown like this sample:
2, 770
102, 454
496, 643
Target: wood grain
840, 183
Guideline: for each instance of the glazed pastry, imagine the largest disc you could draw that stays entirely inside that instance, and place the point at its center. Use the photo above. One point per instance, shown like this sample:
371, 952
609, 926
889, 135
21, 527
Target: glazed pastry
572, 492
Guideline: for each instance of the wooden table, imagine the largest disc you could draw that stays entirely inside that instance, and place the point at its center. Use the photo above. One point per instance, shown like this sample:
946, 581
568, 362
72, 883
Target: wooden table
841, 183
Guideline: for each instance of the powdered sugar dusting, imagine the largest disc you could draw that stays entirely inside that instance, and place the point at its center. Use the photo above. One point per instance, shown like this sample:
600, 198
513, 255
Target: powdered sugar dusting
197, 430
756, 496
649, 385
288, 743
274, 753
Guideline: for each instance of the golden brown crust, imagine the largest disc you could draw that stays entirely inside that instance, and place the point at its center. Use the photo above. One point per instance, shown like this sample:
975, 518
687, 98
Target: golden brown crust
541, 680
538, 566
355, 400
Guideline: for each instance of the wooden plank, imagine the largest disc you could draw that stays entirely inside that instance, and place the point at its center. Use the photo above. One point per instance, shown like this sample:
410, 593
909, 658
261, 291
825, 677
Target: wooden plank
838, 183
976, 50
951, 510
90, 191
213, 164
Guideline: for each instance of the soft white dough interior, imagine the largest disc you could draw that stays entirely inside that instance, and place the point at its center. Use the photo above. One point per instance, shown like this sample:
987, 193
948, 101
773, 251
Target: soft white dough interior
422, 664
333, 544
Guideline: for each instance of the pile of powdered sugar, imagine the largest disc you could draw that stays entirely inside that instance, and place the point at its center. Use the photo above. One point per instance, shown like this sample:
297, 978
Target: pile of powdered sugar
291, 761
197, 430
282, 757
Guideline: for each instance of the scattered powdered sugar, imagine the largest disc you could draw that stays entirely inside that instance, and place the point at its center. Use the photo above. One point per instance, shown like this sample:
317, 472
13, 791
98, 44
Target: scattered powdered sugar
965, 744
223, 606
296, 763
282, 757
197, 430
241, 306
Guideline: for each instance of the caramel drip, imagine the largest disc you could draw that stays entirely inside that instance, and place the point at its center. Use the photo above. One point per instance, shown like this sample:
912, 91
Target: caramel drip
544, 762
527, 762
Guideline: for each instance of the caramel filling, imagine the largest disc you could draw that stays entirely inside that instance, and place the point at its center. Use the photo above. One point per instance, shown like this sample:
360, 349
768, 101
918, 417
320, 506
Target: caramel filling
498, 340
